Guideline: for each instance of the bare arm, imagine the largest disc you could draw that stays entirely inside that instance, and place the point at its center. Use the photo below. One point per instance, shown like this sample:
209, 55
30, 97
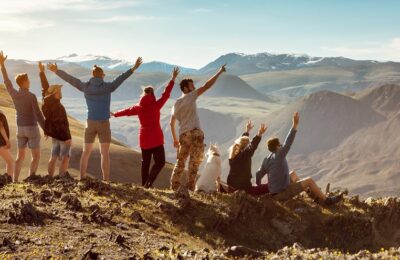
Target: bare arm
4, 135
172, 125
211, 81
7, 81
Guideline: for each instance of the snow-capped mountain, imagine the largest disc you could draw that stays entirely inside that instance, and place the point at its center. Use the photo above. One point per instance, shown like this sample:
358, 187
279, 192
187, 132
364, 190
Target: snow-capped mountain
87, 61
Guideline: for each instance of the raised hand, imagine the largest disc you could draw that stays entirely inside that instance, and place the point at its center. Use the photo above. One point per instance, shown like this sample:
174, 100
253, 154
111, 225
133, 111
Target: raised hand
2, 58
222, 69
175, 73
249, 126
296, 119
41, 66
263, 128
138, 62
52, 67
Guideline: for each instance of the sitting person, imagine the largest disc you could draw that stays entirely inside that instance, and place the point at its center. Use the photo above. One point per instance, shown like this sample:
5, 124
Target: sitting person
282, 185
56, 124
240, 155
5, 145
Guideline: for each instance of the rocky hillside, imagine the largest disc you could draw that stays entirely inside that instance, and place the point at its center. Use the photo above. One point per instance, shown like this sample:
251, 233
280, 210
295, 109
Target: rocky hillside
44, 217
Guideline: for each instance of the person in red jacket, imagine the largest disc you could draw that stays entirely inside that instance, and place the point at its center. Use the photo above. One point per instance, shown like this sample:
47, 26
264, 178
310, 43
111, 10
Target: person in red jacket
151, 138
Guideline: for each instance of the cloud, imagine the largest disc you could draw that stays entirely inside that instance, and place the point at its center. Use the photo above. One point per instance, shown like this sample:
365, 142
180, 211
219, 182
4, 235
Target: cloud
380, 51
23, 6
22, 24
201, 10
114, 19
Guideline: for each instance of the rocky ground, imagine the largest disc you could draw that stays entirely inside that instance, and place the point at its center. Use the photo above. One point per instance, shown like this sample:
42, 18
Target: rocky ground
60, 217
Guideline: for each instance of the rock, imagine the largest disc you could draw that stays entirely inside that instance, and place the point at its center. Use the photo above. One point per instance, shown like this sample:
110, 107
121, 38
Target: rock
242, 251
183, 196
8, 243
39, 180
26, 213
369, 201
282, 227
90, 255
137, 217
45, 196
298, 246
71, 202
163, 248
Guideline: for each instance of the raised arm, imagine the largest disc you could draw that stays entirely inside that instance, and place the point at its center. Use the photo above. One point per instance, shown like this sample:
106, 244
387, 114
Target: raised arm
43, 79
172, 125
167, 92
211, 81
112, 86
11, 90
290, 138
77, 83
131, 111
256, 140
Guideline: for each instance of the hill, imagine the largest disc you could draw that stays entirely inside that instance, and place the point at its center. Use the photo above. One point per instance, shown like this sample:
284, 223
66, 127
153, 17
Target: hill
385, 99
125, 162
93, 220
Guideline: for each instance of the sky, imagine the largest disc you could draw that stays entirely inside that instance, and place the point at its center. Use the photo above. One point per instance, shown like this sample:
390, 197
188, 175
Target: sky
193, 33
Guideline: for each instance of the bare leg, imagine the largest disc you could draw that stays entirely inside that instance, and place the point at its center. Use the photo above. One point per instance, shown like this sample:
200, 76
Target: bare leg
315, 190
35, 153
87, 150
6, 155
52, 165
18, 162
294, 177
105, 160
64, 165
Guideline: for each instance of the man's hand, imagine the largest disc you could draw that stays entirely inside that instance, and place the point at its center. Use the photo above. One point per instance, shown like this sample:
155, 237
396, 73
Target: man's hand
41, 66
263, 128
296, 119
139, 62
8, 144
249, 126
175, 73
2, 58
52, 67
176, 143
222, 69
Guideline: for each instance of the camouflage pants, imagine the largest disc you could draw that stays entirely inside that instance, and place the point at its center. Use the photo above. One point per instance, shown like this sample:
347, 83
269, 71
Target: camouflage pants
190, 144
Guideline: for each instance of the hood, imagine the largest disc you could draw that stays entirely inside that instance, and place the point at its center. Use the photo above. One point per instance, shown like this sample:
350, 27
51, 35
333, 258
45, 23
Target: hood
96, 81
147, 100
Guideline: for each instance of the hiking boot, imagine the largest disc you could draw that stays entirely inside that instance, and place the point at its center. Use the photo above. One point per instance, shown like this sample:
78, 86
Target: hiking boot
333, 199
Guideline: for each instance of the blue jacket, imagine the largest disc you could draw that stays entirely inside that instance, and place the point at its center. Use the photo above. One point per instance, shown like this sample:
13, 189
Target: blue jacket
97, 93
276, 167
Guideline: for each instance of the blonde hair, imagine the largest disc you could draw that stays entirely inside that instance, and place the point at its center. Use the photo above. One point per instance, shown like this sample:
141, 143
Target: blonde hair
239, 145
53, 89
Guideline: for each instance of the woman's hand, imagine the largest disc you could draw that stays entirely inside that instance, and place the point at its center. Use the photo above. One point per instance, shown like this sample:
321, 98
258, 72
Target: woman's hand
263, 128
249, 126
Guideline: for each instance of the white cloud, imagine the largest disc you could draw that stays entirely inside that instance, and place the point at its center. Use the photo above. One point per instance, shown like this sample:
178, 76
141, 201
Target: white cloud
23, 6
381, 51
114, 19
17, 25
201, 10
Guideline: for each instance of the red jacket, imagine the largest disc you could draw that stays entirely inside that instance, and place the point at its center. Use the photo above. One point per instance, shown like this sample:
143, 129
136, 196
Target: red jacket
148, 111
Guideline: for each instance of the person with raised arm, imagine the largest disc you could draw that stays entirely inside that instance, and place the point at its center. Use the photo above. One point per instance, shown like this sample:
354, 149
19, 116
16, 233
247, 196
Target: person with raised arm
151, 138
191, 137
28, 117
282, 185
240, 154
56, 124
97, 93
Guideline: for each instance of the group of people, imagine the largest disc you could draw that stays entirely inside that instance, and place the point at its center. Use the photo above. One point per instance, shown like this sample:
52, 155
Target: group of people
189, 141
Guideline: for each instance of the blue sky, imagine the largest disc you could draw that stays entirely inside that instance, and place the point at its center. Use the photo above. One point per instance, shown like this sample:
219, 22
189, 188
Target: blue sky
193, 32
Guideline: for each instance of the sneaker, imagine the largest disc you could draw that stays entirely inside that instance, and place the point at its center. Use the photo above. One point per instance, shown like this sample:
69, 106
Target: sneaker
333, 199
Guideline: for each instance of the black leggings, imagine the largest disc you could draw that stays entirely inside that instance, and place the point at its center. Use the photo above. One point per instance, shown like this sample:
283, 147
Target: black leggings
158, 155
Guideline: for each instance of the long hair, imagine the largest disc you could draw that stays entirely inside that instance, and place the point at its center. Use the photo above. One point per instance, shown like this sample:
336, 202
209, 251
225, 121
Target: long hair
239, 145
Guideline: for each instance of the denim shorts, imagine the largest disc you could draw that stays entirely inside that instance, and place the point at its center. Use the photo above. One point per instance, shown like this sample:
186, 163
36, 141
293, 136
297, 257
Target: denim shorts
60, 149
28, 136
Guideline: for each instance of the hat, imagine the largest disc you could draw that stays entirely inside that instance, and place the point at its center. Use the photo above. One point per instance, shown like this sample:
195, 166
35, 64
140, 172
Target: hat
53, 89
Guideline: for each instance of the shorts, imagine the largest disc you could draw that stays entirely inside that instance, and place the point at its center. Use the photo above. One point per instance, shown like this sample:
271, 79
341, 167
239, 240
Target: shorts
100, 128
60, 149
294, 189
28, 136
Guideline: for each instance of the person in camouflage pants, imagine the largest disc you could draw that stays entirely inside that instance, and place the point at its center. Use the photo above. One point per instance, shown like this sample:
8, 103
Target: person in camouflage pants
191, 137
190, 144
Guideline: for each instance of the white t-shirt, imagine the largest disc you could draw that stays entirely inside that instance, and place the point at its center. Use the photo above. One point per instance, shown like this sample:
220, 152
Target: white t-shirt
185, 111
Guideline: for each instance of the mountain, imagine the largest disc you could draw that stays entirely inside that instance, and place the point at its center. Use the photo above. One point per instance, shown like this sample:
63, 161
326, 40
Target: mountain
125, 162
226, 86
385, 99
87, 61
